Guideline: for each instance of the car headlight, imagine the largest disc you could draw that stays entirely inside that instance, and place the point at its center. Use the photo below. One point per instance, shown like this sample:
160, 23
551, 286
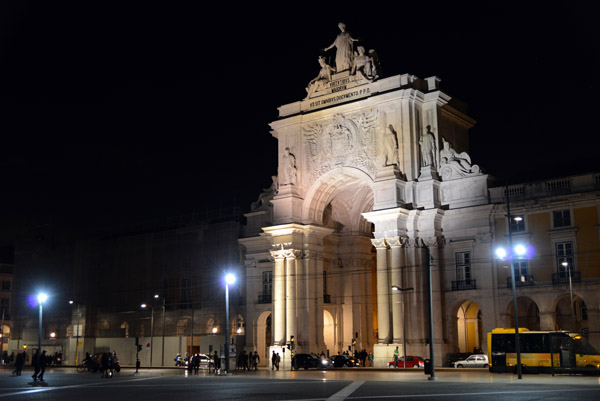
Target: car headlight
324, 362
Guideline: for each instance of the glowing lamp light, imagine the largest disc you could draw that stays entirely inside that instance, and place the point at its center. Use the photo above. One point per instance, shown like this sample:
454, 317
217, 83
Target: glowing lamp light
70, 302
230, 279
518, 218
156, 296
520, 250
143, 306
53, 335
501, 253
239, 331
214, 330
42, 297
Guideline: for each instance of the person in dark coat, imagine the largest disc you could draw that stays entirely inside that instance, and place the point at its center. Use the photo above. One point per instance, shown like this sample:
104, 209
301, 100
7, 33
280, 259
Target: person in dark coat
43, 363
19, 364
35, 361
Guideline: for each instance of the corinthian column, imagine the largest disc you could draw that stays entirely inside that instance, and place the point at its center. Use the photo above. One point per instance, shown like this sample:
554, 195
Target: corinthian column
278, 320
396, 276
290, 294
383, 291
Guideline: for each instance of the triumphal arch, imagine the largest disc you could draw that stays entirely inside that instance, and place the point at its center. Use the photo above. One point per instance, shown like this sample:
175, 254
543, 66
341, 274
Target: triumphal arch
369, 169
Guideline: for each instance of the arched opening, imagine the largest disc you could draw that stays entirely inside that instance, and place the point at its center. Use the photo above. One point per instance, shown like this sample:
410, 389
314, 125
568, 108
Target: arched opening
529, 314
329, 332
5, 336
263, 336
125, 329
470, 334
572, 317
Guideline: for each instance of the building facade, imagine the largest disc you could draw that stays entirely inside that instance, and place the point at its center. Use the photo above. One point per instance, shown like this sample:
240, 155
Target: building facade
374, 188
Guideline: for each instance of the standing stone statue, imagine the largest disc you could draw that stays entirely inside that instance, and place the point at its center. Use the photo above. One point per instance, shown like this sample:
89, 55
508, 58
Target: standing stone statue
390, 144
321, 81
344, 45
288, 173
427, 143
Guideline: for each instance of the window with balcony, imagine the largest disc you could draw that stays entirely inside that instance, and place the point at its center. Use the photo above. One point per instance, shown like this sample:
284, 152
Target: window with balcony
522, 276
561, 218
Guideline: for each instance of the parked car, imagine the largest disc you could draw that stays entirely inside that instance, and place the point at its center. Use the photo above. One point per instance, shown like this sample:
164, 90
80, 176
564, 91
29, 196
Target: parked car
205, 361
474, 361
412, 361
340, 361
308, 361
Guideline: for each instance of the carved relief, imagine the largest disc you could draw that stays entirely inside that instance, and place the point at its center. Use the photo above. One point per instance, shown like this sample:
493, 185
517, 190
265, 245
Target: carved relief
345, 141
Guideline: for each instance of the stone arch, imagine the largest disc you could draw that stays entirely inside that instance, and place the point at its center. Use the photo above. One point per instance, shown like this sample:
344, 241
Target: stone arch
529, 313
125, 329
264, 336
329, 332
469, 329
570, 317
354, 183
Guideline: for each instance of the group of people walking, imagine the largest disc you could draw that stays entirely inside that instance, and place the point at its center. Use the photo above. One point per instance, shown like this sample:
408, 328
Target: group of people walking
247, 361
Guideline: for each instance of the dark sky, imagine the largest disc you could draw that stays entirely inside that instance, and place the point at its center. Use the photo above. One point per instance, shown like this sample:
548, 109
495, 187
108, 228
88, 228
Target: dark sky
121, 111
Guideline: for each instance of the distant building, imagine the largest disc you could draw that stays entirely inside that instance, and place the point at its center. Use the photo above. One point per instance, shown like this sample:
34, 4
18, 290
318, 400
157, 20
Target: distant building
108, 277
6, 289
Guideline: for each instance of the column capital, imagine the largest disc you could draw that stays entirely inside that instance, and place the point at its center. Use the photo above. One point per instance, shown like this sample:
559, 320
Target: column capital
432, 242
309, 254
379, 243
292, 253
278, 255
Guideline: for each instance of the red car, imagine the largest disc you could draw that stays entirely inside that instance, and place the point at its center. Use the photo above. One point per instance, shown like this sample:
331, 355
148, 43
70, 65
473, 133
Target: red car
412, 362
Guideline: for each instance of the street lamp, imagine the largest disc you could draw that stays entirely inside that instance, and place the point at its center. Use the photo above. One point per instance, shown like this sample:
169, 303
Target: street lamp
566, 266
229, 280
502, 253
42, 297
402, 291
143, 306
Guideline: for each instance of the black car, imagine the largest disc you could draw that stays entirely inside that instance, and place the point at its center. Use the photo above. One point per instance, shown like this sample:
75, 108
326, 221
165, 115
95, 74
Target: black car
307, 361
340, 361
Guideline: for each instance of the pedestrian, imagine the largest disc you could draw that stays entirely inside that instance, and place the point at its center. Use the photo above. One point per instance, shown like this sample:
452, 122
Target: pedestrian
216, 363
371, 359
35, 362
19, 364
255, 360
277, 360
105, 362
273, 360
43, 362
396, 355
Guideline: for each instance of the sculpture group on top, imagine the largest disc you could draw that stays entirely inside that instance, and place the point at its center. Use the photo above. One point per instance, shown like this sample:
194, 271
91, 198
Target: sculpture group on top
357, 62
455, 165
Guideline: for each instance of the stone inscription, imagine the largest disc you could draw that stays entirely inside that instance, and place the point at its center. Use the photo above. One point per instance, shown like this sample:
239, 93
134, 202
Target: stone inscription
340, 98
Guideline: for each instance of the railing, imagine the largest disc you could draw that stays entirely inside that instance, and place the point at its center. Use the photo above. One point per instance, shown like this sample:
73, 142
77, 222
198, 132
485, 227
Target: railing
461, 285
264, 298
326, 298
559, 186
520, 280
563, 278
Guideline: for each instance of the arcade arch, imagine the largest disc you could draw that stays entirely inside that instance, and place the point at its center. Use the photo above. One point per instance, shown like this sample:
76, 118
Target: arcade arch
263, 336
529, 314
469, 327
572, 317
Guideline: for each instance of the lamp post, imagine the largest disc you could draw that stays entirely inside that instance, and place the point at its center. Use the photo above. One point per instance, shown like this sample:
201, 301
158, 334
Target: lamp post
163, 329
402, 291
502, 253
229, 280
77, 334
144, 306
42, 297
568, 267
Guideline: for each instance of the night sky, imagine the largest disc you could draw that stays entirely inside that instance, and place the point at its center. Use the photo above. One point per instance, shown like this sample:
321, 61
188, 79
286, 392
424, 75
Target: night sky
114, 112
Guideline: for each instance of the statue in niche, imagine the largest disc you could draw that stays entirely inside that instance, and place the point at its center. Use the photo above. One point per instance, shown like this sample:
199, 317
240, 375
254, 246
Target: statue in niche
390, 146
344, 45
288, 174
267, 193
455, 165
428, 148
321, 81
364, 65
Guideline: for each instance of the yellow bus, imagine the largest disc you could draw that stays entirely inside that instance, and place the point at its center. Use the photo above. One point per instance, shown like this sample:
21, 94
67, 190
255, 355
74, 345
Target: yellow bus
541, 352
